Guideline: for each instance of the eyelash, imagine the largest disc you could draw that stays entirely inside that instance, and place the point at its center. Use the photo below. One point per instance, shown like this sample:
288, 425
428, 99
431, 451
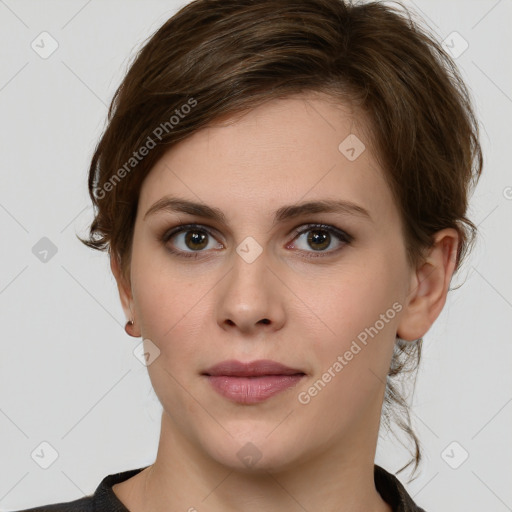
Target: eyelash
343, 236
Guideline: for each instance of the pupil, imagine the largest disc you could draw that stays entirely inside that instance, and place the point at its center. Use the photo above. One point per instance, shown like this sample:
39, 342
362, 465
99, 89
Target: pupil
196, 238
316, 238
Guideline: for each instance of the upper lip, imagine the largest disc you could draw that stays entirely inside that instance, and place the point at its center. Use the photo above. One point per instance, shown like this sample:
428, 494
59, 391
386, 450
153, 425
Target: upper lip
260, 367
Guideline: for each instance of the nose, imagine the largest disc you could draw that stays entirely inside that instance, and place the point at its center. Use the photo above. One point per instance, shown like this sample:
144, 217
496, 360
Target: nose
250, 298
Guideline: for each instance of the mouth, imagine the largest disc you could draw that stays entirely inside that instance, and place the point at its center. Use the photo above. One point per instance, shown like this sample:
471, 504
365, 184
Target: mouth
252, 382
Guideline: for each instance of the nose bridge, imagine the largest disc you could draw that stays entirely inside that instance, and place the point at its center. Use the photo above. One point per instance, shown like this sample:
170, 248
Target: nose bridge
248, 278
248, 298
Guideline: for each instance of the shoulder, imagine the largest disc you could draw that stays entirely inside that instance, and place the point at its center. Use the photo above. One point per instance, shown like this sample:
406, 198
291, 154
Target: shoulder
393, 492
82, 505
103, 499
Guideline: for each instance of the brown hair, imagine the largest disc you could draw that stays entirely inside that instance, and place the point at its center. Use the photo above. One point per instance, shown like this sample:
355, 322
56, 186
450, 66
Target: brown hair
215, 58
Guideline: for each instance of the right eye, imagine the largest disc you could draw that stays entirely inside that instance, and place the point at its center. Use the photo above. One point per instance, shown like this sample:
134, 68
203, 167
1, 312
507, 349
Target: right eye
191, 240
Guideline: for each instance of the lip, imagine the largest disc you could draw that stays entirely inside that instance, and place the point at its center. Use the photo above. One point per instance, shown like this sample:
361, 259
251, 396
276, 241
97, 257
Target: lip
252, 382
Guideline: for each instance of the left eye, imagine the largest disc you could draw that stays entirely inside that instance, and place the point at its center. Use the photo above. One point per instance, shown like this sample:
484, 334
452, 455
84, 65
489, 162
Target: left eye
320, 237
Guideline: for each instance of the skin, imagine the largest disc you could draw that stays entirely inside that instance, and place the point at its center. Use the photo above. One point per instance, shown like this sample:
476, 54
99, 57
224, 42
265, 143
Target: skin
198, 312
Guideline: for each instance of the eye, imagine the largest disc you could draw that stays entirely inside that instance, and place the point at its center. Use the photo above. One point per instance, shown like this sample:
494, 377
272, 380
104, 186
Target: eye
319, 237
193, 239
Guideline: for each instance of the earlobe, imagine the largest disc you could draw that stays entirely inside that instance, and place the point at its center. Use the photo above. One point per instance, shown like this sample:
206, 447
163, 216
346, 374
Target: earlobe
125, 293
429, 286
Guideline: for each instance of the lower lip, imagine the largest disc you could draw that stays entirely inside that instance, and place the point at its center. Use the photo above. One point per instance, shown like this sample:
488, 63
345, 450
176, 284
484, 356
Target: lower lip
252, 390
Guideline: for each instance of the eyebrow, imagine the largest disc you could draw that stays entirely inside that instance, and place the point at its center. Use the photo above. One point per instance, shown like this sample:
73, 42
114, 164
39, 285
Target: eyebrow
179, 205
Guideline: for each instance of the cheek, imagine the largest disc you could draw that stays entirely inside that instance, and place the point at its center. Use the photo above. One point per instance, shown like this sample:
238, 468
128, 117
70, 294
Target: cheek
162, 294
353, 301
160, 300
170, 314
351, 364
361, 309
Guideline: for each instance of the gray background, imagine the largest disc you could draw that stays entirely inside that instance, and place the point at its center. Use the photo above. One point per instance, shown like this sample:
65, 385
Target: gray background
68, 375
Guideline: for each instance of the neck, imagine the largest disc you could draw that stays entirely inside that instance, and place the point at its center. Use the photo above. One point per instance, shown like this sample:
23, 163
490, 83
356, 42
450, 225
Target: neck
333, 481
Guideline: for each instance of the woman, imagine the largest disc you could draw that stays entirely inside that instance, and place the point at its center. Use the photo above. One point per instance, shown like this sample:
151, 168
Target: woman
282, 189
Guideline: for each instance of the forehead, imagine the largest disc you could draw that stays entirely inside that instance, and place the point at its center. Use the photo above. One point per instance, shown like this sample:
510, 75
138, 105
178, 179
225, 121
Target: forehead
284, 151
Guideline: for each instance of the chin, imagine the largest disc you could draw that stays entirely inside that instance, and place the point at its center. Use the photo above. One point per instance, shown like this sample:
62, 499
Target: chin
255, 452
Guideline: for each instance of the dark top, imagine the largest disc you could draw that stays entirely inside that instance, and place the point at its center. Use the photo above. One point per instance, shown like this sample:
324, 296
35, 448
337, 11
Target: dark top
104, 499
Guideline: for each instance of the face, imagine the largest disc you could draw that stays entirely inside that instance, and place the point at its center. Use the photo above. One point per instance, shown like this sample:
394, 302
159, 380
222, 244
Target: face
320, 291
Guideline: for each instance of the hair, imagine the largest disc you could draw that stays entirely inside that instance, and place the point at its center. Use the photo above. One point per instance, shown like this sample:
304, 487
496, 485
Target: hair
216, 58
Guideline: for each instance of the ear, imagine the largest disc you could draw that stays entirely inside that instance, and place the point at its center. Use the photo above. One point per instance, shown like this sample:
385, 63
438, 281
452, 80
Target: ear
125, 290
429, 286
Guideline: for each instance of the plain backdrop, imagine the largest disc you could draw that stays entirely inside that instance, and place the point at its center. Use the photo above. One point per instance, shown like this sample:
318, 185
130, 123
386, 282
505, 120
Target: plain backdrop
70, 384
